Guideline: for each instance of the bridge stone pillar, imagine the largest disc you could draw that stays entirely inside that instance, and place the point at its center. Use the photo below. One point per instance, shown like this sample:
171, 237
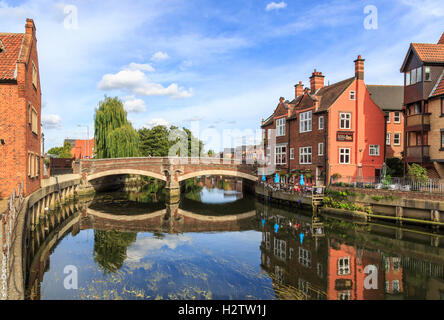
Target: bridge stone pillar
172, 181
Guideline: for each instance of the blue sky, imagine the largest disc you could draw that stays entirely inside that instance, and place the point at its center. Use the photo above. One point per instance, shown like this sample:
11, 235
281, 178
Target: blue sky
221, 64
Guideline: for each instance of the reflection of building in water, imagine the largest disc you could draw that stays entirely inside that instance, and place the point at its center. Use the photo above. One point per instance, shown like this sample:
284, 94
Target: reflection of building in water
393, 275
346, 273
293, 265
231, 185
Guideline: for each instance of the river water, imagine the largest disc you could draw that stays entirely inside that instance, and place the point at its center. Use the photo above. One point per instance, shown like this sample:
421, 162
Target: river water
221, 243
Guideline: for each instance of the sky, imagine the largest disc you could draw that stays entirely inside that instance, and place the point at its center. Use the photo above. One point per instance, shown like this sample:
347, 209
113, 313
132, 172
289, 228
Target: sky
212, 66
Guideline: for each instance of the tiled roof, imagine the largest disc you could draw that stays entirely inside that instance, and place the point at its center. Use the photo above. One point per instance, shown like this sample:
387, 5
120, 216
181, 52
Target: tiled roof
429, 52
10, 54
328, 95
439, 87
387, 97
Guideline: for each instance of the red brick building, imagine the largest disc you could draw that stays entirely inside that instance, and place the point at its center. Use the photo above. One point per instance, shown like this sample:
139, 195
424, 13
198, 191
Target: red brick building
20, 111
82, 149
327, 130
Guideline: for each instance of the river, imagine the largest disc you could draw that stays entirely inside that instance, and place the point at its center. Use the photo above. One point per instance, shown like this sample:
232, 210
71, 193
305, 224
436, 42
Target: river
222, 243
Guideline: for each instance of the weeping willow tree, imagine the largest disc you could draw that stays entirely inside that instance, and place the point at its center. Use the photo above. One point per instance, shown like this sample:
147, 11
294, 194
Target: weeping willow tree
114, 134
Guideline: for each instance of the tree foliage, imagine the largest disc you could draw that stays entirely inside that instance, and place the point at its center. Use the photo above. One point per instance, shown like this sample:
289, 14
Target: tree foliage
417, 173
62, 152
395, 167
114, 134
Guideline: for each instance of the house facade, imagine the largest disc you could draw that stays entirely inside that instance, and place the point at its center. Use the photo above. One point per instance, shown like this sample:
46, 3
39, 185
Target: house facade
81, 149
20, 111
328, 130
423, 70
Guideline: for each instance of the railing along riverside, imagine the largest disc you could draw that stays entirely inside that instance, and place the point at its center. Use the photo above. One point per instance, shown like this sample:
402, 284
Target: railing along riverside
7, 227
392, 183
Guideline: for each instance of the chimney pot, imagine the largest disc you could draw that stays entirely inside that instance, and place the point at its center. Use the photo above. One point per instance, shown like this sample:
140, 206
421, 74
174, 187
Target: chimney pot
316, 81
359, 68
299, 89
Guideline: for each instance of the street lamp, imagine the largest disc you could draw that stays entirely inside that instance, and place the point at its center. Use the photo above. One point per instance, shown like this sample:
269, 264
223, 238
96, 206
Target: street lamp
87, 138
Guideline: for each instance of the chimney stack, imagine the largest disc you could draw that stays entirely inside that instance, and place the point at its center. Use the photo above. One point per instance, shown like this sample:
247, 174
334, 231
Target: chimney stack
359, 68
441, 40
316, 81
30, 27
299, 89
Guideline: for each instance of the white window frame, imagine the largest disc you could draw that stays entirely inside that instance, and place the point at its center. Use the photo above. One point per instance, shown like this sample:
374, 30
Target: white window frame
373, 150
394, 138
305, 121
413, 76
321, 123
342, 152
304, 257
344, 268
280, 127
418, 74
305, 155
407, 78
344, 295
395, 286
320, 149
389, 117
399, 117
346, 117
352, 95
34, 75
388, 138
427, 74
291, 153
281, 157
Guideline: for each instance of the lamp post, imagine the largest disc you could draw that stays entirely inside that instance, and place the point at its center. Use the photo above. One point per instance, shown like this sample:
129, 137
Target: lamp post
87, 138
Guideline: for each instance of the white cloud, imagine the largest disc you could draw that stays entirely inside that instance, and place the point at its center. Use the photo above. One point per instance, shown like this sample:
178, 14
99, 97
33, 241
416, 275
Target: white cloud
137, 83
134, 105
159, 56
140, 66
51, 121
276, 6
157, 122
142, 247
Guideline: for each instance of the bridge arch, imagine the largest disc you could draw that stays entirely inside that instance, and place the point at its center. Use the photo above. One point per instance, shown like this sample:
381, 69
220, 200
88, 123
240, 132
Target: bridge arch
230, 173
125, 171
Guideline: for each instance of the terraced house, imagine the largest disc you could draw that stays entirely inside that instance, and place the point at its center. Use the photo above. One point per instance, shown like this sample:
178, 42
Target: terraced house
20, 107
423, 69
328, 130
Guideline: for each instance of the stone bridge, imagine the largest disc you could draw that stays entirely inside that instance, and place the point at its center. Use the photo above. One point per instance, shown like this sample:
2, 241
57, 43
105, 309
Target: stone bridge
170, 170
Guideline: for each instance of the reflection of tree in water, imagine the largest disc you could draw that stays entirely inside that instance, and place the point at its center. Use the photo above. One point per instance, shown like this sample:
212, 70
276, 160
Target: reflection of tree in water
151, 190
193, 189
110, 248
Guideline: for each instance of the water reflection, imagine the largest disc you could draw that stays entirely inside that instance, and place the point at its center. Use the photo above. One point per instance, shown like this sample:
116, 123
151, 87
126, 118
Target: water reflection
219, 245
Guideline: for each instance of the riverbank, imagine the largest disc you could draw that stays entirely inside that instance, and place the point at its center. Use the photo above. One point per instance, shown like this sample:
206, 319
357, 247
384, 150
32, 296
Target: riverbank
379, 204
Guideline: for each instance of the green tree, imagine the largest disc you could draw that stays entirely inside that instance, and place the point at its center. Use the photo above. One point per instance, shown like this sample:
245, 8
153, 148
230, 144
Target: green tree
417, 173
395, 167
114, 134
110, 248
62, 152
154, 142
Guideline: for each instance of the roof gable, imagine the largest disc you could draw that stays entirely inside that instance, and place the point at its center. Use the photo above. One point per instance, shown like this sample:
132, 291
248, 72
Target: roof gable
329, 94
10, 55
438, 89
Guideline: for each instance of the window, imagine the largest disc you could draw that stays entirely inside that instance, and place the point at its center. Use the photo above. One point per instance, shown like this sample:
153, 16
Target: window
281, 154
29, 114
37, 166
320, 149
407, 78
305, 122
321, 123
34, 75
269, 134
352, 95
427, 75
442, 106
374, 150
413, 76
397, 139
418, 74
417, 108
320, 271
344, 266
388, 117
388, 138
344, 295
345, 120
387, 286
395, 285
305, 257
396, 263
305, 155
280, 127
442, 139
344, 155
280, 249
34, 125
291, 153
397, 117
